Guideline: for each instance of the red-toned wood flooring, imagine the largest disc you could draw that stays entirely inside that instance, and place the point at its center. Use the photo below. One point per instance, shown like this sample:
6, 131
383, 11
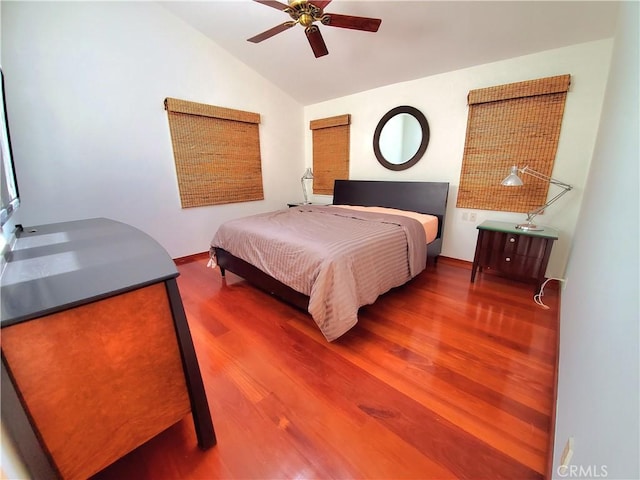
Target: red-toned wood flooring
440, 379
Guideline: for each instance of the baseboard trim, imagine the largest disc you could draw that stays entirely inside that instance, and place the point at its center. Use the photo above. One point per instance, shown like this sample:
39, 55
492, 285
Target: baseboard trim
191, 258
455, 261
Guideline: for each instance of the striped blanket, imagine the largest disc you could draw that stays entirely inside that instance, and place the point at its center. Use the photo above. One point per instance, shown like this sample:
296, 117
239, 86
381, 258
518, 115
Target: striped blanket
342, 259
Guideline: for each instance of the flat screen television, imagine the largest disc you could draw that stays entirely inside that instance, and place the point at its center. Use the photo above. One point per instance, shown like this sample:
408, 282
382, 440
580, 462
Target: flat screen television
9, 185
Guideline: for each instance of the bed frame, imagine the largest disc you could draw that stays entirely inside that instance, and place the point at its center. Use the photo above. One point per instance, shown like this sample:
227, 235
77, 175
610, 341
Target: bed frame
422, 197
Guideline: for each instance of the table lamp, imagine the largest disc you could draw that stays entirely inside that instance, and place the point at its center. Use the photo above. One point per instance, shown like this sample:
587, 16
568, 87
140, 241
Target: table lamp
308, 175
513, 180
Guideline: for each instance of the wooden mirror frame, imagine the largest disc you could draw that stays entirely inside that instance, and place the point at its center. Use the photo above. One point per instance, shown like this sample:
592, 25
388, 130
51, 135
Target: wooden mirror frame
424, 125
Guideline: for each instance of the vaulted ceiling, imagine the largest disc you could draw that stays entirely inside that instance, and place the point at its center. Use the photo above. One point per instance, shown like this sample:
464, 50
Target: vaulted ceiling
416, 39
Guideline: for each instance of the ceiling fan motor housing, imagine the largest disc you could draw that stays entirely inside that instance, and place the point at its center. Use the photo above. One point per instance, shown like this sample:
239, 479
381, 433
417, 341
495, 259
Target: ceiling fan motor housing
304, 12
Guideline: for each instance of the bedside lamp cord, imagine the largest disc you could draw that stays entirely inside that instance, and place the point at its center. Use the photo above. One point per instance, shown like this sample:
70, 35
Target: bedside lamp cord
538, 296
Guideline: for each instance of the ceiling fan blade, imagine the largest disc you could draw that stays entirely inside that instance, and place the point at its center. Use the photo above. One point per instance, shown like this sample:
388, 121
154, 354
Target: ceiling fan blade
320, 3
316, 41
273, 4
354, 23
271, 32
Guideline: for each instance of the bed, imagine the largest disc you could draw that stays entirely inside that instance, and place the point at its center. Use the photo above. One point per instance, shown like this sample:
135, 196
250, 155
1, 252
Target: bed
331, 260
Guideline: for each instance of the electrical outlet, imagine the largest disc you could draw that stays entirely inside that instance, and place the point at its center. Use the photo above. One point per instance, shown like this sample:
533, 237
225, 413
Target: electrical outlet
465, 216
472, 217
567, 453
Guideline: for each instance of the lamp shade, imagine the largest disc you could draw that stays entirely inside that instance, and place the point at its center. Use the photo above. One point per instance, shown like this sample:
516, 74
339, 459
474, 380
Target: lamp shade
513, 180
307, 175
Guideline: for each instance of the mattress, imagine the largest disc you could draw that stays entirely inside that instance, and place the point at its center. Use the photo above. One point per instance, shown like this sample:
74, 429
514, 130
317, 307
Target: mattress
428, 222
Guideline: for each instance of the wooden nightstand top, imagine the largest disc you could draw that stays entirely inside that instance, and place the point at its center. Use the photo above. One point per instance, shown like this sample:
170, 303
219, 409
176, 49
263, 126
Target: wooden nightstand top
302, 204
510, 227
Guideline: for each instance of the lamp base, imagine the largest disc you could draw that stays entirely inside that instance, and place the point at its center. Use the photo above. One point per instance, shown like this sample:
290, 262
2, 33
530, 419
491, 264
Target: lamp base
529, 227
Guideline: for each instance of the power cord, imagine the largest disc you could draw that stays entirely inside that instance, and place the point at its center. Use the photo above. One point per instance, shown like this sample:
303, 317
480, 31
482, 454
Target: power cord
538, 296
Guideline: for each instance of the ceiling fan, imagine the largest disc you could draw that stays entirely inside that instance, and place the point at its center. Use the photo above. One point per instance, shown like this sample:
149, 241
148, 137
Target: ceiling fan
306, 13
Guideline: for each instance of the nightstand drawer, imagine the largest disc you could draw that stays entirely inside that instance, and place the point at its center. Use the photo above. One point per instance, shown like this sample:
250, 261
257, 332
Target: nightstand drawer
498, 242
519, 266
510, 243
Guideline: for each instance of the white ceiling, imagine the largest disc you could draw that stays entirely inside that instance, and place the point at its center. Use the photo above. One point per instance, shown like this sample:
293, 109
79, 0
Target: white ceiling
416, 39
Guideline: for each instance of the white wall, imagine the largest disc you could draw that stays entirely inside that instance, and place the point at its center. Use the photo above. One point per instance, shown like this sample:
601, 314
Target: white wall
85, 85
442, 98
598, 389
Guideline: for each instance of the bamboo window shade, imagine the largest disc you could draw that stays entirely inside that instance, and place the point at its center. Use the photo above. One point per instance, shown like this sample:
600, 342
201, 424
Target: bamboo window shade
331, 140
217, 153
515, 124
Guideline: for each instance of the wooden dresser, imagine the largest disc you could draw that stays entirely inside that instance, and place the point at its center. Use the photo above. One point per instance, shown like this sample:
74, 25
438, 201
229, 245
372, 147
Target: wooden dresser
97, 356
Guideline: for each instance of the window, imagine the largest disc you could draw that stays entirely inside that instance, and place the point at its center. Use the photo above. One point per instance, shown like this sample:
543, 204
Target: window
514, 124
216, 152
330, 152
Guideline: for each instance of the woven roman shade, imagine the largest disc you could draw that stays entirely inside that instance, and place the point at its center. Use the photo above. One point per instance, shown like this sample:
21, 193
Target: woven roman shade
216, 152
514, 124
330, 152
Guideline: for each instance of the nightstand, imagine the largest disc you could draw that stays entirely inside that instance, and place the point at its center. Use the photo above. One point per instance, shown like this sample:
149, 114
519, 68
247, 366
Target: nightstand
300, 204
513, 253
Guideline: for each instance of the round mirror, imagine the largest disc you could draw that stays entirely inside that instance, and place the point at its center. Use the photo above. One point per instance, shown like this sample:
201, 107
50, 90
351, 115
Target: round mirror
401, 138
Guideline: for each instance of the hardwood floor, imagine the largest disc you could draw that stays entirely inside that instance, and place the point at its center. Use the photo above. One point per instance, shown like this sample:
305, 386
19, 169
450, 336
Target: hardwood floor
439, 379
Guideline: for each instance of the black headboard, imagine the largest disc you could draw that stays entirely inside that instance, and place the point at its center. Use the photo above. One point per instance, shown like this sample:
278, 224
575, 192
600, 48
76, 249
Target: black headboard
422, 197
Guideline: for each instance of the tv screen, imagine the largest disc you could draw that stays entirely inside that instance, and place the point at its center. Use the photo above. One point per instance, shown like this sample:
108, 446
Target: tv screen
9, 185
